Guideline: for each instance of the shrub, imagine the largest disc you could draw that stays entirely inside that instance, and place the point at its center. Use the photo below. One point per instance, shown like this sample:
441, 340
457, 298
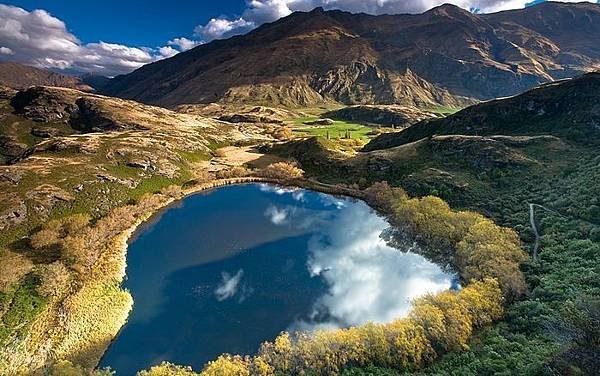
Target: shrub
54, 278
233, 172
220, 153
66, 368
283, 133
228, 365
44, 238
75, 223
168, 369
173, 191
282, 170
13, 267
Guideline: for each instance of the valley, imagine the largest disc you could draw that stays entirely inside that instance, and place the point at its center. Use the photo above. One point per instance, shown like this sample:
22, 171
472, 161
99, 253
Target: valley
330, 193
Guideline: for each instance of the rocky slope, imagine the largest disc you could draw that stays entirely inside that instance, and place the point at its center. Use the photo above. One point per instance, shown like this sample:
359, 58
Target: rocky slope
19, 76
568, 109
438, 57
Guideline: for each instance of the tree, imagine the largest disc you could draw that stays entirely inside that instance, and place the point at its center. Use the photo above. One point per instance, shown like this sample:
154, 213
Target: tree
282, 170
227, 365
54, 278
168, 369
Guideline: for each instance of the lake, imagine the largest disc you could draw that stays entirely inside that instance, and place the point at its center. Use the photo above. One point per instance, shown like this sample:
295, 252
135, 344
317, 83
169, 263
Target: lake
225, 270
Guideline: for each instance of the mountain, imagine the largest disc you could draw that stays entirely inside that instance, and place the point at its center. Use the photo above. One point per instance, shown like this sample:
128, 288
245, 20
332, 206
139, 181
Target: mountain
569, 109
441, 57
19, 76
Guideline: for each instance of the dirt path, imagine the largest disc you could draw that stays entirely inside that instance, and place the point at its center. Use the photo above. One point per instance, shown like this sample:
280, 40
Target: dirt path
233, 156
536, 245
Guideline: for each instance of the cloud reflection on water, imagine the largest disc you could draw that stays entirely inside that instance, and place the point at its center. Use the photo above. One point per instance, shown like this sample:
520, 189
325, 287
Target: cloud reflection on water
368, 280
229, 286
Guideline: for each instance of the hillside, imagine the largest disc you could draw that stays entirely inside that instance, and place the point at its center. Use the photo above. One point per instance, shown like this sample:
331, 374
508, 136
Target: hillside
70, 154
19, 76
569, 109
386, 115
440, 57
536, 175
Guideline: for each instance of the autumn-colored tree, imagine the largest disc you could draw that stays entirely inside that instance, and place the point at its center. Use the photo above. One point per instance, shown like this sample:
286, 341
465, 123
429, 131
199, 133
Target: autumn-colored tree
227, 365
66, 368
383, 197
484, 301
488, 250
282, 170
168, 369
458, 324
54, 278
45, 238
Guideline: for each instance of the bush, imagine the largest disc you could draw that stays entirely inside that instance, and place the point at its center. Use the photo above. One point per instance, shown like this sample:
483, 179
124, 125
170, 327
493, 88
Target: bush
173, 191
75, 223
13, 267
54, 279
283, 133
233, 172
282, 170
45, 238
227, 365
66, 368
168, 369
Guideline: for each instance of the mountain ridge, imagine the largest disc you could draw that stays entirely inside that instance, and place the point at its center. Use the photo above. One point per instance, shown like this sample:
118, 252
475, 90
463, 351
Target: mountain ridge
441, 57
21, 76
569, 109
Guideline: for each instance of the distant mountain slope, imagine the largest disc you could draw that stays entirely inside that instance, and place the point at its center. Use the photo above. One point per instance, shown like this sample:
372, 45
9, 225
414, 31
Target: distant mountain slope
568, 109
438, 57
19, 76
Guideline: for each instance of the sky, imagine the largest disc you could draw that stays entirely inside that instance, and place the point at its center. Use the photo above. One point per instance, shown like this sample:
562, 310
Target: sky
113, 37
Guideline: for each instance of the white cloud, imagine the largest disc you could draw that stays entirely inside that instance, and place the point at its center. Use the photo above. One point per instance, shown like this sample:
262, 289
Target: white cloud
276, 215
229, 286
368, 280
40, 39
168, 51
183, 43
260, 11
218, 28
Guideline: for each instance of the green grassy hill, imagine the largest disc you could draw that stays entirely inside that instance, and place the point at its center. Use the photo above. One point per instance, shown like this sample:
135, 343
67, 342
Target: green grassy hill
497, 158
569, 109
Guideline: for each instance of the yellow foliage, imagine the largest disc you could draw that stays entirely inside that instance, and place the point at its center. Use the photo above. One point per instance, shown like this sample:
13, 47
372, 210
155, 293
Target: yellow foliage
44, 238
282, 170
410, 348
75, 223
227, 365
457, 319
13, 267
488, 250
483, 299
168, 369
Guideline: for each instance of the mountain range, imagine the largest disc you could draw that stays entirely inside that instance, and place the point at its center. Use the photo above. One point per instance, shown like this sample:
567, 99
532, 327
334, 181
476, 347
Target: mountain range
20, 76
446, 56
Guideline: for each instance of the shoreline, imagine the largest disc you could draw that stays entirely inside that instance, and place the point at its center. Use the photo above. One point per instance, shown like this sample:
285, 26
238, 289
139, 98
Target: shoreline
121, 241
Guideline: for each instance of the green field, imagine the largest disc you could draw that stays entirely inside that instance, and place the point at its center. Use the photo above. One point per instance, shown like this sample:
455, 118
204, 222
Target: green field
336, 131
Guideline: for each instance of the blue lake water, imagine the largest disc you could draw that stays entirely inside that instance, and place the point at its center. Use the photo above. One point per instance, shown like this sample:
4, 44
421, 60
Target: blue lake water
225, 270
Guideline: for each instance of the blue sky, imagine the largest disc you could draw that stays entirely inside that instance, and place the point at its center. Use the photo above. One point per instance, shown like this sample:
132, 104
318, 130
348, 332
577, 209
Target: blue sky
113, 37
134, 22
